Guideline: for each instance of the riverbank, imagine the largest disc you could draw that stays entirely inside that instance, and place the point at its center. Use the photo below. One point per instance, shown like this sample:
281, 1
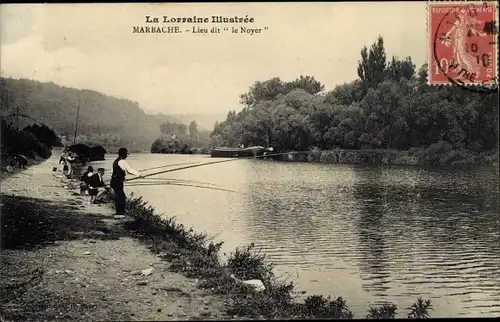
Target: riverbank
434, 155
65, 259
97, 267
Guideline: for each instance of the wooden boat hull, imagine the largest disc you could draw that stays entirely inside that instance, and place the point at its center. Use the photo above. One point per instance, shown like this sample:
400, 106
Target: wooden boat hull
237, 152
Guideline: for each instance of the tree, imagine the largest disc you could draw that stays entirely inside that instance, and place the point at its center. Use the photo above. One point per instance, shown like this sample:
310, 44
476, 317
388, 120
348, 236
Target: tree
400, 69
193, 133
168, 128
306, 83
372, 67
271, 89
423, 74
389, 106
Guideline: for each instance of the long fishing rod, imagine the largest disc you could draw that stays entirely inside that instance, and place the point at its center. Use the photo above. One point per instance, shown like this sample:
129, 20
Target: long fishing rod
137, 184
214, 162
176, 169
178, 180
167, 165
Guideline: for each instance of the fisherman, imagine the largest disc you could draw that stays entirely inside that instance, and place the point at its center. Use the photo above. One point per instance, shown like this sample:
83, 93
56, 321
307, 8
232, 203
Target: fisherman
69, 162
85, 180
62, 162
97, 187
120, 169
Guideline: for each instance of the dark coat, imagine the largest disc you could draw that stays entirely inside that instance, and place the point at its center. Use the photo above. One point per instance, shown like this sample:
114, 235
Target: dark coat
86, 178
96, 181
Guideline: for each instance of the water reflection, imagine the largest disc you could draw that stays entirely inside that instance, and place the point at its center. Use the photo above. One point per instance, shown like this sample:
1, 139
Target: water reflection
439, 236
372, 200
366, 233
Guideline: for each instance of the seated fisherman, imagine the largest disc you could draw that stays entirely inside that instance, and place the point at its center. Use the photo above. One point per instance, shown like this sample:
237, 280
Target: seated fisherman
85, 180
97, 187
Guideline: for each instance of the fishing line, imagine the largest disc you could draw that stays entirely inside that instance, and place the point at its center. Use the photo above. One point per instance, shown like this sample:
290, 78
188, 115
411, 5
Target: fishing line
165, 166
172, 179
168, 165
214, 162
137, 184
166, 180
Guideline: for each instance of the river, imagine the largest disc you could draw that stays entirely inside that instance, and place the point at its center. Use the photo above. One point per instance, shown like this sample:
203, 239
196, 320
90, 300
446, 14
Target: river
368, 233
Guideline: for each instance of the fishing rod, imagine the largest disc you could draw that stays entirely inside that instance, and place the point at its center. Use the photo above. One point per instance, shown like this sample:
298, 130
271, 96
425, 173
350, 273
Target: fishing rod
168, 165
179, 180
138, 184
214, 162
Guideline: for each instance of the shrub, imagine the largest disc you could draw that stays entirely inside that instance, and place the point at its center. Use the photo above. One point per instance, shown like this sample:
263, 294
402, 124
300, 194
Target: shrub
15, 141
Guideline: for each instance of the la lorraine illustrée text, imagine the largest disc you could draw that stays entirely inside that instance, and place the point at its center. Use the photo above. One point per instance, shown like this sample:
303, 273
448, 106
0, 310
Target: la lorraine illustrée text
195, 19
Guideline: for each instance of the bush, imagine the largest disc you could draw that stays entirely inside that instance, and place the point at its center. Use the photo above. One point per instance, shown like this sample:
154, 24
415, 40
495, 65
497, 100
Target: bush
45, 135
15, 141
442, 153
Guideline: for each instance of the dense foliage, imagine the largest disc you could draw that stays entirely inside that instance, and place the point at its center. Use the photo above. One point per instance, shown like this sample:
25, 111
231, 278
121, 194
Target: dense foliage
390, 106
179, 138
32, 141
88, 153
104, 120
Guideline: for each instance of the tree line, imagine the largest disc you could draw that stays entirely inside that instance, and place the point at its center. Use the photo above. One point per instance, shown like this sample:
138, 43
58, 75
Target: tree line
390, 106
178, 138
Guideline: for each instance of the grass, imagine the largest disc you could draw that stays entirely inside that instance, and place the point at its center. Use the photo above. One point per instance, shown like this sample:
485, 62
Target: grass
196, 255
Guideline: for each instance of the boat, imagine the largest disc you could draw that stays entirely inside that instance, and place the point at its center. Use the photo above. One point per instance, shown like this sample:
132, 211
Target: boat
226, 152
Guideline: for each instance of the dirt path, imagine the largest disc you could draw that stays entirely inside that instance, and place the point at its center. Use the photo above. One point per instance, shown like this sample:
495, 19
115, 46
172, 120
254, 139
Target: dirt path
91, 267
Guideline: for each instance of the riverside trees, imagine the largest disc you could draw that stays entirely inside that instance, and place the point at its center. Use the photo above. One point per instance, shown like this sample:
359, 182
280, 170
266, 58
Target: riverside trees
390, 106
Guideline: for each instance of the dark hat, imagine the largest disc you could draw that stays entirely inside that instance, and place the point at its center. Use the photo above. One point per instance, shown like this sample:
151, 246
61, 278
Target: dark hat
122, 151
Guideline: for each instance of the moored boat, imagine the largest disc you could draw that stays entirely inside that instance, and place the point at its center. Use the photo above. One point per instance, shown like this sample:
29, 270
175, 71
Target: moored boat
226, 152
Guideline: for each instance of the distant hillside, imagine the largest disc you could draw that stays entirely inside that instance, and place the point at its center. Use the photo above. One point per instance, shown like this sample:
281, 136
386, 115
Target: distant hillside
104, 119
205, 120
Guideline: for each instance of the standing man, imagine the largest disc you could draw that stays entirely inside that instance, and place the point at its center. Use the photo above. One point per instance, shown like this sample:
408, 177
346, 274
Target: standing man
69, 161
120, 169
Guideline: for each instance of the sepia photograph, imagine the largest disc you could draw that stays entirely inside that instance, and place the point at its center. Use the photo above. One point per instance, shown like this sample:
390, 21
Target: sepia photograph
249, 161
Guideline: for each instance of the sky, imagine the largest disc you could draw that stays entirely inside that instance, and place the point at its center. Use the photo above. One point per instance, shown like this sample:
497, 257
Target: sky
92, 46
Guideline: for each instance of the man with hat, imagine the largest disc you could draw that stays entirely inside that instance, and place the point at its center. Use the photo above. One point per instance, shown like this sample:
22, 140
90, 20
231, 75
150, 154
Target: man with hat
120, 169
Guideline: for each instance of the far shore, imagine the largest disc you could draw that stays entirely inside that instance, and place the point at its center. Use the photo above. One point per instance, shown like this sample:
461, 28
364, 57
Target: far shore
416, 157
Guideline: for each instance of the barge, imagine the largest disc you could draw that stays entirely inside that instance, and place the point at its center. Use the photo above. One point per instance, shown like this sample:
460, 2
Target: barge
225, 152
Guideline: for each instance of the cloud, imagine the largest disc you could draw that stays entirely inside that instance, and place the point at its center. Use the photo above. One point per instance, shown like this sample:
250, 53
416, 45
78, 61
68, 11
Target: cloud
16, 22
92, 46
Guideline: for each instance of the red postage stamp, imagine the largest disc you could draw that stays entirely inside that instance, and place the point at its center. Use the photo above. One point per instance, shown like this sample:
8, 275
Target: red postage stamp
462, 43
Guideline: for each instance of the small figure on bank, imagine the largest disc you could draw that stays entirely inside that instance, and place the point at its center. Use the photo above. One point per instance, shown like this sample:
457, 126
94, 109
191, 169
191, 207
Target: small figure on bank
120, 170
97, 187
62, 162
69, 162
21, 160
85, 180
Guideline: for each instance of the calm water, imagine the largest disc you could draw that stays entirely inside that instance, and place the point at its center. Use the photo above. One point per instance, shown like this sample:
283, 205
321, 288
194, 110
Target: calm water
370, 234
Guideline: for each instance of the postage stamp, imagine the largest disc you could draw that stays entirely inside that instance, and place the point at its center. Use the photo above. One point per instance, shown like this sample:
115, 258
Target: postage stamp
462, 43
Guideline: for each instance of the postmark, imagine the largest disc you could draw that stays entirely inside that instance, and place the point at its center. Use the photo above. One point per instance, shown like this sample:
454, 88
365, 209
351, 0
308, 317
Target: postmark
462, 44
